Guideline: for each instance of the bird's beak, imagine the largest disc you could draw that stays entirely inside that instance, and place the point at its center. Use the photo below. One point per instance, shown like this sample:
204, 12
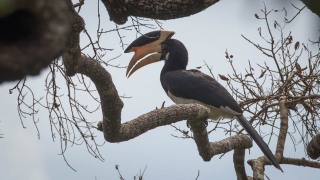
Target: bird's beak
146, 48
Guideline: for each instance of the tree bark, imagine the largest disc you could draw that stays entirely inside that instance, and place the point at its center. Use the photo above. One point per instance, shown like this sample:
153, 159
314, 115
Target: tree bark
238, 162
32, 35
120, 10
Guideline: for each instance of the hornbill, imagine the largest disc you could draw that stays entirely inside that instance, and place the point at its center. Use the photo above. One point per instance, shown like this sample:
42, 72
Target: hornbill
189, 86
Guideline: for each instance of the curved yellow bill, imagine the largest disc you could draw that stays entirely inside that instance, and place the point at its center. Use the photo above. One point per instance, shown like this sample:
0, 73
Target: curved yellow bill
144, 46
145, 61
140, 52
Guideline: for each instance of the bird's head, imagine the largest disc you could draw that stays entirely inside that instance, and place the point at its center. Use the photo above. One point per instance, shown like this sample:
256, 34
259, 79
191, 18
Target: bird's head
148, 48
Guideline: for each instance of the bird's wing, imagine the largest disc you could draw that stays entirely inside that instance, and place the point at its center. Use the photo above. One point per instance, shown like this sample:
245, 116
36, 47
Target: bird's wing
195, 85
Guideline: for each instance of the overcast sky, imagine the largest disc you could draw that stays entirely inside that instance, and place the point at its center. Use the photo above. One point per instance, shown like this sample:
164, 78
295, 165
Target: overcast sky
206, 35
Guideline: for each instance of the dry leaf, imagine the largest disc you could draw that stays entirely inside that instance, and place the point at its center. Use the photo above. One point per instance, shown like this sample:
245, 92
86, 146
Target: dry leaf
298, 67
222, 77
297, 45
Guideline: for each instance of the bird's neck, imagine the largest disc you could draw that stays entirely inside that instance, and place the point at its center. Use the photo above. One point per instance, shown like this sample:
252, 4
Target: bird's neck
178, 60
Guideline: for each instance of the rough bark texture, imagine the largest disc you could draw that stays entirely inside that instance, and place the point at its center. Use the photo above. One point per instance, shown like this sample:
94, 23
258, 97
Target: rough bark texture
72, 51
283, 127
200, 135
231, 143
111, 103
258, 167
120, 10
154, 119
32, 34
238, 162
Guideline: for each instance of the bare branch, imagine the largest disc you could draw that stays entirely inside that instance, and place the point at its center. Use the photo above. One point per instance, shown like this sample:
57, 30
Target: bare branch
238, 161
301, 162
299, 11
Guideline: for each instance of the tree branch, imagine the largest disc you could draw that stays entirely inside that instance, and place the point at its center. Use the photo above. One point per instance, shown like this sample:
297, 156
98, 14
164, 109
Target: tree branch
72, 52
238, 162
234, 142
200, 136
301, 162
153, 119
258, 167
111, 103
120, 10
283, 127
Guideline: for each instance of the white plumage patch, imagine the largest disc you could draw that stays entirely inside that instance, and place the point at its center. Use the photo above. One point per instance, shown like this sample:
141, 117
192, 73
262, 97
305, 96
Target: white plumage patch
215, 113
167, 56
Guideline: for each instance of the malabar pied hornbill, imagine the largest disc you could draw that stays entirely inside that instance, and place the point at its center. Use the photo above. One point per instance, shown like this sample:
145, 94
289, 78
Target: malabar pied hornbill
189, 86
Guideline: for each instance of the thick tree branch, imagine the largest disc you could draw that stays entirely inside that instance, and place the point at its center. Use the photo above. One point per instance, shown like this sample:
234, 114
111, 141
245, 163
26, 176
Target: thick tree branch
258, 167
209, 149
283, 127
200, 136
120, 10
234, 142
72, 52
156, 118
238, 162
111, 104
33, 33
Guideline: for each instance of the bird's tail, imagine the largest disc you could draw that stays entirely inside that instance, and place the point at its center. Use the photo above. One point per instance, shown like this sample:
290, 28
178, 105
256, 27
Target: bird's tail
257, 138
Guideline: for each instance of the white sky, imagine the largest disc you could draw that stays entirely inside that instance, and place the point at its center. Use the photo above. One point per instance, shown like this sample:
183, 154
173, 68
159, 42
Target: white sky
206, 35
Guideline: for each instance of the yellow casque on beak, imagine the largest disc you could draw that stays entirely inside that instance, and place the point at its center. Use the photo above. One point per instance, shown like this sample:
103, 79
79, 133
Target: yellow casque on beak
143, 47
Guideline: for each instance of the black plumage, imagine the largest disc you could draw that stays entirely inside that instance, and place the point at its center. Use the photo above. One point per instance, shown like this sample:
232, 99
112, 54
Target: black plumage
192, 84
